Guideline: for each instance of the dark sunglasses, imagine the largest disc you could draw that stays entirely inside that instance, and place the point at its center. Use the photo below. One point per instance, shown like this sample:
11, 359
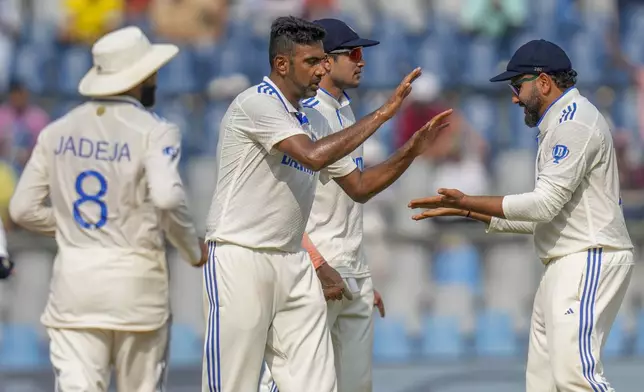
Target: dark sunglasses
355, 54
516, 85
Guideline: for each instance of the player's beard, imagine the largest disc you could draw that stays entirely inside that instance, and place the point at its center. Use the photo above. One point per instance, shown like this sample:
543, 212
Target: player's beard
148, 96
532, 105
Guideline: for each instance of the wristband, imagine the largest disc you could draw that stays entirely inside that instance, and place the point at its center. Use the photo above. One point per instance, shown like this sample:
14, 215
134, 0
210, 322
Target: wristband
468, 214
317, 263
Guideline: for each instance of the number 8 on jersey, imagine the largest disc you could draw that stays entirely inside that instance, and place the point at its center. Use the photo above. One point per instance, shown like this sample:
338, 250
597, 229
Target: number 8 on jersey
89, 198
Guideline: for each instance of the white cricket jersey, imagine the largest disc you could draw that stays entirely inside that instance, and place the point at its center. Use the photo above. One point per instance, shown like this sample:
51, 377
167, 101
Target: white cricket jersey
3, 241
109, 168
576, 203
263, 197
335, 224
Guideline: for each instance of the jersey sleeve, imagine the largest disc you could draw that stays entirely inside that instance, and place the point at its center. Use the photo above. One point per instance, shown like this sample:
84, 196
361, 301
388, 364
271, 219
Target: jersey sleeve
3, 241
572, 153
498, 225
340, 168
161, 167
269, 122
180, 231
27, 207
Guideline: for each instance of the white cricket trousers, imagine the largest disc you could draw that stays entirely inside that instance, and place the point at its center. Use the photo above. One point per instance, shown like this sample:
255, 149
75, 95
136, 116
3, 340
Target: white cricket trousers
264, 305
574, 308
351, 324
83, 359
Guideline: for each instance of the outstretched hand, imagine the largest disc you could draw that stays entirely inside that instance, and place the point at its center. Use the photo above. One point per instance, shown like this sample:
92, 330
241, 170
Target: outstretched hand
393, 104
435, 212
426, 135
450, 198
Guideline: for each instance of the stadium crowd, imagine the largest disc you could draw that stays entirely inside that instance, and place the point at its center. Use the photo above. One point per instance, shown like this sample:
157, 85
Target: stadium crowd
450, 289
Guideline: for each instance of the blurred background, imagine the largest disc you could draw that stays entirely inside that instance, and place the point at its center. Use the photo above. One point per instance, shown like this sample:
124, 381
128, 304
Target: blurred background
458, 300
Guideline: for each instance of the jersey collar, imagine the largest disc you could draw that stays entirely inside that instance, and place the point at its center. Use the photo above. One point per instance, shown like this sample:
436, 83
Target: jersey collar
551, 113
121, 98
326, 97
287, 105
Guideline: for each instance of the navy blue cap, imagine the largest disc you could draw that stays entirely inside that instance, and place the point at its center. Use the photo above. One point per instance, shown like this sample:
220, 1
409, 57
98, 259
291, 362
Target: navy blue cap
535, 57
340, 36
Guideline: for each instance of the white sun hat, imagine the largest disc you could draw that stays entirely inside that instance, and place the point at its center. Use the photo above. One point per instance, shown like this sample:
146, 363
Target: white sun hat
123, 59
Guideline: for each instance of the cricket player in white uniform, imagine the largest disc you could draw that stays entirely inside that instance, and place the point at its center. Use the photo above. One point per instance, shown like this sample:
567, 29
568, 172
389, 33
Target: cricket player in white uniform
334, 230
264, 300
6, 265
575, 216
109, 168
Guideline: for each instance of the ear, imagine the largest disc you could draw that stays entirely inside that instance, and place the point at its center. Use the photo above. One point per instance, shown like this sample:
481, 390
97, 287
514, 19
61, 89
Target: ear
327, 63
281, 64
546, 84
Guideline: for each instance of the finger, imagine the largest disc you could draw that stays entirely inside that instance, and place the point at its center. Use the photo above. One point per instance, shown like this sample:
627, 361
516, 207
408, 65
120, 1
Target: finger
427, 202
441, 116
381, 308
412, 76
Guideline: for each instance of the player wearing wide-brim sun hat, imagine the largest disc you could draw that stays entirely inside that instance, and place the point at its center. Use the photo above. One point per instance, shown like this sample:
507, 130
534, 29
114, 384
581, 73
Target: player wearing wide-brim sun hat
123, 59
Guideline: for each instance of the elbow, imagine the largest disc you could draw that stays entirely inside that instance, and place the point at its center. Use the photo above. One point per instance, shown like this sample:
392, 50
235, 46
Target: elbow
360, 196
18, 211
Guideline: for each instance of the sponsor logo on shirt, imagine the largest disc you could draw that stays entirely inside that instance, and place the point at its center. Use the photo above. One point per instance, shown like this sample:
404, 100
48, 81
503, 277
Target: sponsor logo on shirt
290, 162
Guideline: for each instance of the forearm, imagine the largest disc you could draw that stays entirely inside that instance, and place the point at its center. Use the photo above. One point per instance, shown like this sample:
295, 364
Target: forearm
378, 178
483, 206
330, 149
37, 218
314, 254
498, 225
540, 205
180, 231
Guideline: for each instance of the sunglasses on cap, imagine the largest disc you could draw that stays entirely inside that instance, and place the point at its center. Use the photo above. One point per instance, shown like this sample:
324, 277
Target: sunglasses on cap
355, 54
516, 85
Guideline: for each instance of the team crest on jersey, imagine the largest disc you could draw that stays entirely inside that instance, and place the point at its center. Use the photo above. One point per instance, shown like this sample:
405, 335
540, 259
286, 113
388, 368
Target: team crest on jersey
560, 152
172, 152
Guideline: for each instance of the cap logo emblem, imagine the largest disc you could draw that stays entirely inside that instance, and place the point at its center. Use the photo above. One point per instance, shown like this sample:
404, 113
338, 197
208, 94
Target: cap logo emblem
538, 69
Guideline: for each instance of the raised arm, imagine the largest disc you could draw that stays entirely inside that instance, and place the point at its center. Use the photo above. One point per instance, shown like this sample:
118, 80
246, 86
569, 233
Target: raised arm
317, 155
362, 186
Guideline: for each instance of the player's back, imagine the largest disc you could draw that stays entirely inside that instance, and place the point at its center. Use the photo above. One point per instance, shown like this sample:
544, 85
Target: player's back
97, 178
110, 270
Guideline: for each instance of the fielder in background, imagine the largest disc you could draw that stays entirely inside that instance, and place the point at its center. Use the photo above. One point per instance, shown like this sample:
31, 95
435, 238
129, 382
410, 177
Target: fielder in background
575, 216
264, 300
333, 235
109, 168
6, 265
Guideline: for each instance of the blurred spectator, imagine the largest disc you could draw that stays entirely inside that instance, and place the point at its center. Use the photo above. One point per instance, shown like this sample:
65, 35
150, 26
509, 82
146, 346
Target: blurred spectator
137, 7
319, 9
493, 18
10, 24
189, 21
20, 124
84, 21
423, 104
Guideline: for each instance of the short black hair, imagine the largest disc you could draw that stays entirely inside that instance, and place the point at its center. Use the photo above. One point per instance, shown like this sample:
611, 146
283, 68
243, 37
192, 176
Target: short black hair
564, 79
288, 31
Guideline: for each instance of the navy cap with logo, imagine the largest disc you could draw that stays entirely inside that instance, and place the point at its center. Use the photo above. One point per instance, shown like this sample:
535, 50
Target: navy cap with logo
534, 58
340, 36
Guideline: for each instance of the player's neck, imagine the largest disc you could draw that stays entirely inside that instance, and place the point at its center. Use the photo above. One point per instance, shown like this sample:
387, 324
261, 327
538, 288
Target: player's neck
333, 90
548, 102
287, 89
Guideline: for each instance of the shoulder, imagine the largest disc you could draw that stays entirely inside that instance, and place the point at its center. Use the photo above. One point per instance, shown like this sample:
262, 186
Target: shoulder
260, 99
